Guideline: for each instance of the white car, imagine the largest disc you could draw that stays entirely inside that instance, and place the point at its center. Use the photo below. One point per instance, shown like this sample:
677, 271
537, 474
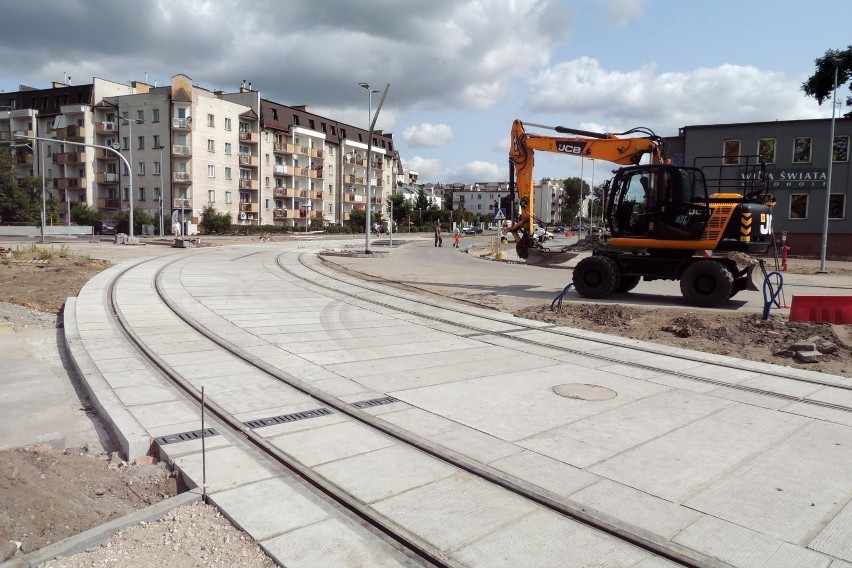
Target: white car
541, 234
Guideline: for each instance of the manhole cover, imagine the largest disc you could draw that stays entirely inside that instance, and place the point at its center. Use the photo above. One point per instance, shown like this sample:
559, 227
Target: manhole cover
581, 391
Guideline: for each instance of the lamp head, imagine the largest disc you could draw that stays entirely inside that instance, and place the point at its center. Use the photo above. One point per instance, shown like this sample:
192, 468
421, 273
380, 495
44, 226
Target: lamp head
364, 85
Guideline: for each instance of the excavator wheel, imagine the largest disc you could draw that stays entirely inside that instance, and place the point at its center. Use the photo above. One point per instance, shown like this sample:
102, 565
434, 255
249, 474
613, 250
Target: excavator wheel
706, 283
522, 247
628, 283
596, 277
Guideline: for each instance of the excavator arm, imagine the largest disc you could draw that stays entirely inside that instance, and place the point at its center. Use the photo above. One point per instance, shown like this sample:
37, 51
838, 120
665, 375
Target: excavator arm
622, 149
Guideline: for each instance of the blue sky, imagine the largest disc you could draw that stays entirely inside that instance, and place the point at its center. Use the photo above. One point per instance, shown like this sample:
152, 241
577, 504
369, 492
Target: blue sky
460, 70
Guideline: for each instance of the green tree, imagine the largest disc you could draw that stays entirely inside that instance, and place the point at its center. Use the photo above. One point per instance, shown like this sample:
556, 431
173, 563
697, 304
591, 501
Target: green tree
422, 200
20, 199
401, 209
213, 222
596, 203
85, 215
820, 85
571, 198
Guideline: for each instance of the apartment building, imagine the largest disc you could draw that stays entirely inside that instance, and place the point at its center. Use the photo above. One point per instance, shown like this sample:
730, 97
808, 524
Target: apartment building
189, 147
483, 198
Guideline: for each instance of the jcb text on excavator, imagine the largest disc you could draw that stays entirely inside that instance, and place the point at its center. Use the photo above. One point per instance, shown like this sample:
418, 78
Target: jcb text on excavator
662, 217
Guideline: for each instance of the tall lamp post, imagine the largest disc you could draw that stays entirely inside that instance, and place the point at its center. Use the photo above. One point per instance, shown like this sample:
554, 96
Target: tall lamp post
369, 221
822, 254
130, 166
162, 188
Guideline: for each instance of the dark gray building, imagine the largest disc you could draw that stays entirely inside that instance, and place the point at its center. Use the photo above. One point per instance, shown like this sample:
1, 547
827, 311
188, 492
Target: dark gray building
796, 153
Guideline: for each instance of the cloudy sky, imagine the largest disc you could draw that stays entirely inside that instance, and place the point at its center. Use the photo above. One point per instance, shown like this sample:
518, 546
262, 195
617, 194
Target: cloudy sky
460, 71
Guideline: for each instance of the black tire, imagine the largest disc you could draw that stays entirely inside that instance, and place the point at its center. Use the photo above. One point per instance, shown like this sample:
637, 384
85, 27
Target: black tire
596, 277
627, 283
706, 283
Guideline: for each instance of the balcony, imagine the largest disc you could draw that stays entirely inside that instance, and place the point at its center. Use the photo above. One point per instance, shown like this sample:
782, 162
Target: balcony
104, 154
282, 192
303, 150
348, 179
249, 207
248, 137
316, 153
182, 177
107, 177
24, 159
21, 133
377, 166
316, 195
180, 150
281, 170
69, 158
109, 203
69, 182
182, 203
248, 184
181, 123
105, 127
73, 131
248, 160
6, 136
284, 148
351, 198
285, 214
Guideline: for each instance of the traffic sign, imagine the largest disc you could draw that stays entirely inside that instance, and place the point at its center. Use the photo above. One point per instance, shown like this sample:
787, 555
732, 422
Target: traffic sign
501, 215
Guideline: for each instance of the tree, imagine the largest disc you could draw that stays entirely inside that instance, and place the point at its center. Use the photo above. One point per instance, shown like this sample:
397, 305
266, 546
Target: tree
399, 207
422, 200
571, 202
213, 222
596, 201
820, 85
20, 199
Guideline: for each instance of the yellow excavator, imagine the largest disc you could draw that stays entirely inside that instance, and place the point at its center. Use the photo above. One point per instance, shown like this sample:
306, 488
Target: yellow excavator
664, 220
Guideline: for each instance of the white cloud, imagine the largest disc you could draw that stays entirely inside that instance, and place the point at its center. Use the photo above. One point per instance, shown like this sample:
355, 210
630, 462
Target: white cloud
667, 101
428, 135
435, 171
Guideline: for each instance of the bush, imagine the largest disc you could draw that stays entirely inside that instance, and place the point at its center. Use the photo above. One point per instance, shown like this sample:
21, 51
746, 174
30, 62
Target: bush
213, 222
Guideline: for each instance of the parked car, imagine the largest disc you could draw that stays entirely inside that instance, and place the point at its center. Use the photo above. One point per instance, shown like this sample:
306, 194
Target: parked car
558, 229
542, 234
472, 230
104, 227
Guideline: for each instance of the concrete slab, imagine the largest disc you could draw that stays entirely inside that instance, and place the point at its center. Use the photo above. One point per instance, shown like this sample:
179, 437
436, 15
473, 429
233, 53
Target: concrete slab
386, 472
836, 538
227, 467
470, 509
330, 443
551, 475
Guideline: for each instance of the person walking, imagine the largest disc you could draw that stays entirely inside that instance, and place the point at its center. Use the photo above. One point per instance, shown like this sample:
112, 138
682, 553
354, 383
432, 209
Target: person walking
439, 241
456, 237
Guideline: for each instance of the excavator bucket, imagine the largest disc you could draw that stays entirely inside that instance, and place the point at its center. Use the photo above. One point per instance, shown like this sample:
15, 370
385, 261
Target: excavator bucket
543, 256
750, 278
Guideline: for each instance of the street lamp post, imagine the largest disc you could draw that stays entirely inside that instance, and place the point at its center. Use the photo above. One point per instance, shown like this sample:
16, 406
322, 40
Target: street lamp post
368, 222
824, 247
40, 154
130, 167
162, 189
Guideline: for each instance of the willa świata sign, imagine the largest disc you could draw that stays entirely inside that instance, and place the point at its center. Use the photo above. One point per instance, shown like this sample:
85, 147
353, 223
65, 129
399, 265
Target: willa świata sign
792, 179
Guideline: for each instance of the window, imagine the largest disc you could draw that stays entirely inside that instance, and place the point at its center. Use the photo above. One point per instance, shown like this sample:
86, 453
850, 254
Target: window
266, 181
267, 159
140, 115
311, 123
158, 194
227, 148
211, 171
124, 171
228, 198
141, 194
837, 206
211, 145
156, 142
125, 143
802, 150
798, 206
275, 114
227, 174
211, 122
840, 150
766, 150
126, 194
141, 169
155, 115
267, 203
157, 169
296, 119
140, 143
125, 115
228, 127
211, 195
731, 152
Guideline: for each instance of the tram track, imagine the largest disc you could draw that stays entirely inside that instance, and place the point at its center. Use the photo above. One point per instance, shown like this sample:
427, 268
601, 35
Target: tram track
401, 538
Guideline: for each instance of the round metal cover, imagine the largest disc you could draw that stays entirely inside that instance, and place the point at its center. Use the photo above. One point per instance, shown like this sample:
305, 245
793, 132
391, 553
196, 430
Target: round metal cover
580, 391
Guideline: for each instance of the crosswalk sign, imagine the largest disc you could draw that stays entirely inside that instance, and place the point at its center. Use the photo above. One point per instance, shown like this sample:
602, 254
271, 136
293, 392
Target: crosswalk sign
500, 215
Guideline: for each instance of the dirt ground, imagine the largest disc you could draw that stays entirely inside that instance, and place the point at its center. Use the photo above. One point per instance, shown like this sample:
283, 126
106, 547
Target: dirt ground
48, 495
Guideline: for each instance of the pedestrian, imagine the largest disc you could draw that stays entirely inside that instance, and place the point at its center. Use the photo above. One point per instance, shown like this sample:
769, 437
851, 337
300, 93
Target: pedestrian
176, 228
456, 236
439, 241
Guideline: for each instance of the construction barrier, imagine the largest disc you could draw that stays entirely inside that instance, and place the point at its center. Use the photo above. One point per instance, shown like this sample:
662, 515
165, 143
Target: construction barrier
830, 309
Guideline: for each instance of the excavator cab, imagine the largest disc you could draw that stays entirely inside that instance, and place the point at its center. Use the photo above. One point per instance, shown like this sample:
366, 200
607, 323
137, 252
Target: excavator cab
658, 201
